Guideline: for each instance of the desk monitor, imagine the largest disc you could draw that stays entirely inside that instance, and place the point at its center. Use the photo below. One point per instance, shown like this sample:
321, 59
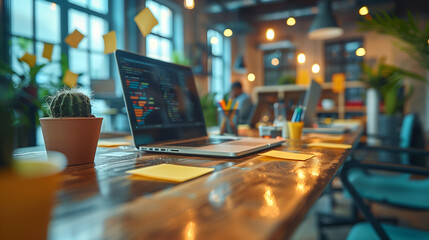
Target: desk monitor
312, 97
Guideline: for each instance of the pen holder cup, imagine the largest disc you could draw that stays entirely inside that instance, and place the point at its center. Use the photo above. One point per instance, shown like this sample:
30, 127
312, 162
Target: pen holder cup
229, 122
295, 129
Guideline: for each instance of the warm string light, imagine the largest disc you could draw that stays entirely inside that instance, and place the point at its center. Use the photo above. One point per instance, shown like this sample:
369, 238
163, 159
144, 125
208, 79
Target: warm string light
189, 4
227, 32
270, 34
291, 21
251, 77
360, 52
301, 58
315, 68
363, 10
275, 61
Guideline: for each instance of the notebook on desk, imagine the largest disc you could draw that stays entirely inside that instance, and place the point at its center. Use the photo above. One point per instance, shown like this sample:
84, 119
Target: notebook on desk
165, 114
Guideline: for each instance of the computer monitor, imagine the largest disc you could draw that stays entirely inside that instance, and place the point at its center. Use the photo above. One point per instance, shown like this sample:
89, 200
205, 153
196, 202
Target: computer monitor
312, 97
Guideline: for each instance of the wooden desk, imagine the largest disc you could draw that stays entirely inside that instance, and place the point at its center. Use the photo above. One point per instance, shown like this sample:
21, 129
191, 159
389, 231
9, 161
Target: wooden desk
245, 198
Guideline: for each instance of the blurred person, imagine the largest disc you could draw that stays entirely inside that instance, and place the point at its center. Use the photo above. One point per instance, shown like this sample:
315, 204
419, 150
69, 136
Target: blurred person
244, 103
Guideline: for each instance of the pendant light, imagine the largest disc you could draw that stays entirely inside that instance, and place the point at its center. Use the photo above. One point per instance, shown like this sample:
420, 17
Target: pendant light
324, 25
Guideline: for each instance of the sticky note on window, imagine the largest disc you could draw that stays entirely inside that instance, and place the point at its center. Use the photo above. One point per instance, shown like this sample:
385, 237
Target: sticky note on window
47, 51
287, 155
70, 79
330, 145
30, 59
109, 42
74, 38
171, 172
145, 21
338, 82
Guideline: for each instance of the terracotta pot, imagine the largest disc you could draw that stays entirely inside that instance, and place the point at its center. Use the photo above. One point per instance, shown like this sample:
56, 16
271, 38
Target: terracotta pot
74, 137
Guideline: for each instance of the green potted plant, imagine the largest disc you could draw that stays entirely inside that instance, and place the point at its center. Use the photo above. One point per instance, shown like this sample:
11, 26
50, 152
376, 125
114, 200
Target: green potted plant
71, 128
208, 104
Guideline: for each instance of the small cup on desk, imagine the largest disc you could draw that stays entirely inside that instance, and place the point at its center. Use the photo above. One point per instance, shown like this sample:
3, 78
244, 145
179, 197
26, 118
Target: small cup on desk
229, 122
295, 129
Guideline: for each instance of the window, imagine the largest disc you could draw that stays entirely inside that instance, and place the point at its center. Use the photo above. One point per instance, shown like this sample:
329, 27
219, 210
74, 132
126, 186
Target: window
219, 63
279, 67
42, 21
160, 44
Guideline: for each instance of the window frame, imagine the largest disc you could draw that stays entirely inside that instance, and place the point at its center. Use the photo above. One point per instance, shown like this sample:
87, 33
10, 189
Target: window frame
225, 62
283, 63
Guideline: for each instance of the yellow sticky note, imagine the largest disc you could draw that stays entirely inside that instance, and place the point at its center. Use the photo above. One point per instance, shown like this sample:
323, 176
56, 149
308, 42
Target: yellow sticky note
171, 172
47, 51
109, 42
145, 21
74, 38
303, 77
70, 79
30, 59
338, 82
287, 155
330, 145
325, 136
112, 144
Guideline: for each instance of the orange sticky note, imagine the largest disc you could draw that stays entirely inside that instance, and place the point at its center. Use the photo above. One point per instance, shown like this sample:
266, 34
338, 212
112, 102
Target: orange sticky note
70, 79
303, 77
109, 42
287, 155
47, 51
30, 59
171, 172
74, 38
145, 21
338, 82
330, 145
112, 144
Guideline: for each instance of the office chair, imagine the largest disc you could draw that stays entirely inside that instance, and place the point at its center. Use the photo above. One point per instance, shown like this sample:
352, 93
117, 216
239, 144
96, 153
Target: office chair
409, 194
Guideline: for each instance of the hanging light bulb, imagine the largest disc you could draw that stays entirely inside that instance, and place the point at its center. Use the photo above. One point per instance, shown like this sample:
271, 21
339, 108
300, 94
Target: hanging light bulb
227, 32
251, 77
214, 40
363, 10
360, 52
315, 68
290, 21
270, 34
189, 4
301, 58
275, 61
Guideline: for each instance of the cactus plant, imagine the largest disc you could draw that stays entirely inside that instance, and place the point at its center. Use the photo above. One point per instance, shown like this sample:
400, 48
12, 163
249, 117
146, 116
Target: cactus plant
69, 103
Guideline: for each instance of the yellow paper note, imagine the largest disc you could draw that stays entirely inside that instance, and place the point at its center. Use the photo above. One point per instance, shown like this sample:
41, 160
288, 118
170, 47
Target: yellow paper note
330, 145
47, 51
338, 82
287, 155
171, 172
303, 77
30, 59
325, 136
112, 144
74, 38
145, 21
109, 42
70, 79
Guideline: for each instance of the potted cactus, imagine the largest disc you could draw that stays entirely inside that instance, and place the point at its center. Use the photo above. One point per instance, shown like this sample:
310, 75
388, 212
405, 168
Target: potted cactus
71, 128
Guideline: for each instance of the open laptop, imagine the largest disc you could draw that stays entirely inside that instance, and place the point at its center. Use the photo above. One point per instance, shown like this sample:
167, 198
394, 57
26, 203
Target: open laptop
165, 114
312, 97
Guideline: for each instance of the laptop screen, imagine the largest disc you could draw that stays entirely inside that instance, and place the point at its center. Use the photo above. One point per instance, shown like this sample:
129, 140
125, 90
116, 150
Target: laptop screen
161, 98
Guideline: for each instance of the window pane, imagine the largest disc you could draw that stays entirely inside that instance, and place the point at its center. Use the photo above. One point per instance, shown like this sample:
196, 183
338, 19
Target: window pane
98, 29
47, 22
100, 6
99, 66
165, 19
215, 41
159, 48
83, 3
18, 48
79, 20
78, 61
22, 18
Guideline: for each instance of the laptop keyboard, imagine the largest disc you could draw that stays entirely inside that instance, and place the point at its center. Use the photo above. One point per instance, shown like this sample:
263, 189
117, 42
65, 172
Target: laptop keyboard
203, 142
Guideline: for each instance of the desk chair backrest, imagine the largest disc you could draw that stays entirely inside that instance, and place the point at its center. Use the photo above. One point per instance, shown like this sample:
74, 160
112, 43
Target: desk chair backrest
411, 136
